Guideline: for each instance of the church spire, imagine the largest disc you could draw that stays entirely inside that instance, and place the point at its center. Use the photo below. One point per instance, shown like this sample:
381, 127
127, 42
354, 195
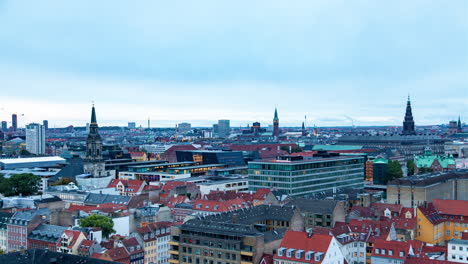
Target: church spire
459, 125
408, 122
93, 116
276, 131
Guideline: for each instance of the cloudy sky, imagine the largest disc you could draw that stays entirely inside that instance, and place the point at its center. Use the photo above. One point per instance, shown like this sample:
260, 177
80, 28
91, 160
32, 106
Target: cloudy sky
200, 61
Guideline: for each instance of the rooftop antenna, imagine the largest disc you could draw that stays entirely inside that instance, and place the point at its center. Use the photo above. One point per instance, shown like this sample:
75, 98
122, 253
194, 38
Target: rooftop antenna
149, 123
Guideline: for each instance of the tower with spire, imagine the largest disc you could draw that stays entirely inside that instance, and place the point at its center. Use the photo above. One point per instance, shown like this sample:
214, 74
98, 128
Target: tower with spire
408, 122
94, 163
303, 130
459, 125
276, 131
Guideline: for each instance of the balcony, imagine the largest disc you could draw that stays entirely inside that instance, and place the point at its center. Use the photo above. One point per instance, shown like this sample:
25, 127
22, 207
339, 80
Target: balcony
173, 243
245, 262
245, 253
173, 252
173, 261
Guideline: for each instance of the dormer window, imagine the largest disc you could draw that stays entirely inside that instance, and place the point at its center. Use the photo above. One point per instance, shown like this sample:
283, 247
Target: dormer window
199, 206
290, 252
377, 251
383, 251
402, 253
318, 257
309, 255
299, 254
281, 251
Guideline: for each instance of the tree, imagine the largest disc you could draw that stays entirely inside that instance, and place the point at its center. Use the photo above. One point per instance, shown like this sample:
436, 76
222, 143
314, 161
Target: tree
63, 181
394, 171
410, 165
24, 184
105, 223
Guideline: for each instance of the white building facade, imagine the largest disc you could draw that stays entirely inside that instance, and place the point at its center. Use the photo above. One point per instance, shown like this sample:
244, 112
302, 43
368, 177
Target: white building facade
35, 139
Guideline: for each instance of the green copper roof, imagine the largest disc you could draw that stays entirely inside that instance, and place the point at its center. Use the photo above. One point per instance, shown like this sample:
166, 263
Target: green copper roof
336, 147
380, 161
426, 161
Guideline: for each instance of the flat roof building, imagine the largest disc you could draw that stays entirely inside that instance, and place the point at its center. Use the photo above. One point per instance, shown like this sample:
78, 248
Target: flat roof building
307, 177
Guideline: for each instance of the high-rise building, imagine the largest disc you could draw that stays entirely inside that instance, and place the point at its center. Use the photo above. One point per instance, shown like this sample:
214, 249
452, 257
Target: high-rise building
14, 122
45, 123
94, 163
131, 125
184, 127
215, 128
35, 139
224, 128
276, 131
298, 177
408, 123
4, 126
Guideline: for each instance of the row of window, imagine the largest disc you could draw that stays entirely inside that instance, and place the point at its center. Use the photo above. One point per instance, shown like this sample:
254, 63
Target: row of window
390, 252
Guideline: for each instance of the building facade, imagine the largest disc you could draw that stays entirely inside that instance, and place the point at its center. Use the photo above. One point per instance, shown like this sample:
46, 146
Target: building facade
35, 139
307, 177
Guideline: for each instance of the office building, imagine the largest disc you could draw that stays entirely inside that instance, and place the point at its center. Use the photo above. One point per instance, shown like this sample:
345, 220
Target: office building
230, 158
35, 139
4, 126
300, 177
14, 122
184, 127
224, 128
237, 237
131, 125
45, 123
420, 189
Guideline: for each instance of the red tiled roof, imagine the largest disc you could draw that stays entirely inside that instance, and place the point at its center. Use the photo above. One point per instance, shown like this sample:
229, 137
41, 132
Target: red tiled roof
381, 207
395, 246
431, 214
219, 206
451, 207
301, 241
465, 236
118, 253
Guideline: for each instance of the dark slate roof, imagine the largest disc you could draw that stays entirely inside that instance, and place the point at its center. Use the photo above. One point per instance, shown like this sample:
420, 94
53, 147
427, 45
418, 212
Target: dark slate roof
40, 256
47, 233
255, 214
4, 218
96, 198
274, 235
240, 222
74, 167
423, 180
314, 206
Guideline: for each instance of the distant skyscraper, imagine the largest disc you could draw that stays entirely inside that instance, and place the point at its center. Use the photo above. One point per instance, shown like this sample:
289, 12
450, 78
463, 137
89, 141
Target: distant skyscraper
131, 125
14, 122
184, 127
45, 123
408, 123
94, 163
276, 131
35, 139
224, 128
215, 128
4, 126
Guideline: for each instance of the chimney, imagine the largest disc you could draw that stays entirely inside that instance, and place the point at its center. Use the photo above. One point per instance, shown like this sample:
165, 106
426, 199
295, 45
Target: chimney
235, 218
310, 232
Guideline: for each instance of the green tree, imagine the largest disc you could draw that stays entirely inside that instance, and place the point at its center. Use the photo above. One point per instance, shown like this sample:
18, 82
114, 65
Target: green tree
95, 220
2, 252
24, 184
394, 171
410, 165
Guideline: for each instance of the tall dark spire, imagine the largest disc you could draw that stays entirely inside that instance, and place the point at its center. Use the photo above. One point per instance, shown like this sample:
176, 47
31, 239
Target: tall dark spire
408, 122
94, 141
93, 116
303, 130
276, 131
459, 125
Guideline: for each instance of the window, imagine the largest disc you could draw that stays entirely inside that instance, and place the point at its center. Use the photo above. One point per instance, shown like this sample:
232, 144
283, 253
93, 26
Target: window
383, 252
390, 252
448, 232
377, 251
402, 253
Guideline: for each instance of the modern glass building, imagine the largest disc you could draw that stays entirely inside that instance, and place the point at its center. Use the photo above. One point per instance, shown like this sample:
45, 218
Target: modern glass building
307, 177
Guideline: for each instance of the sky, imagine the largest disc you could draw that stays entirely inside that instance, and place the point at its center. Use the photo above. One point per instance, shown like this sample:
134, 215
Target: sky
333, 62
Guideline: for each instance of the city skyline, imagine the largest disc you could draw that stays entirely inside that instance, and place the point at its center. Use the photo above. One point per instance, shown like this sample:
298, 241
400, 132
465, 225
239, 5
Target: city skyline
329, 60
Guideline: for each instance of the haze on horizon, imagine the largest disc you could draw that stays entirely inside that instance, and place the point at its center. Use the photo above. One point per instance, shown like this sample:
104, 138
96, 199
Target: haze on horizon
200, 61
